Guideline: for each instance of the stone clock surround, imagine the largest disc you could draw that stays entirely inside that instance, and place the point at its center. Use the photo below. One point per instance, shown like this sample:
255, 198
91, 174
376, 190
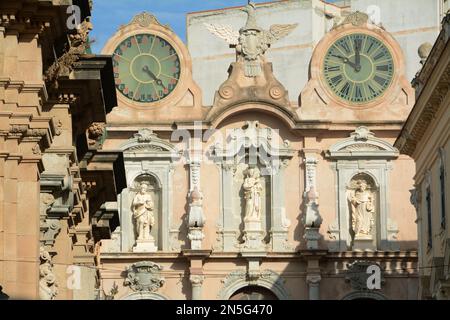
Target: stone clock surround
317, 100
185, 94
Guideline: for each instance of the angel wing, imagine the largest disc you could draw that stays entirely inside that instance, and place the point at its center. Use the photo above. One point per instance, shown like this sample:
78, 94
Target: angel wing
224, 32
278, 31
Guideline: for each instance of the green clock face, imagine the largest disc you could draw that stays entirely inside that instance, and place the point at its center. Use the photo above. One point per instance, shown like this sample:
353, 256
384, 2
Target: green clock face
358, 68
146, 68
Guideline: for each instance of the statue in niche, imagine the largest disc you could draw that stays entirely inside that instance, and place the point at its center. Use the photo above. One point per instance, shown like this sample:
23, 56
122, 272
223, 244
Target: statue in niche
252, 194
362, 209
143, 212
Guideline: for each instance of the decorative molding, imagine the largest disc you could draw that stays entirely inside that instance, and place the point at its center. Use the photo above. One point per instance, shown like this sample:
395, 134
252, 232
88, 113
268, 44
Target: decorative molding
362, 144
144, 276
145, 20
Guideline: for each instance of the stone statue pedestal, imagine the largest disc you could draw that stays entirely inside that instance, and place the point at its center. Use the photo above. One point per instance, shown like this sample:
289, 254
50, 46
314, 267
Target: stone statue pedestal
147, 245
364, 243
253, 236
312, 237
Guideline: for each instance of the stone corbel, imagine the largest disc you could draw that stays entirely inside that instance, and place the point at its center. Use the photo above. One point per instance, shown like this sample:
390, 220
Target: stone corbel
311, 219
57, 201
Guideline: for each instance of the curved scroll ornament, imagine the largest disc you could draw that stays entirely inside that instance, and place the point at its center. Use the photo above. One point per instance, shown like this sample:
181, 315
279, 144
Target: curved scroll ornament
144, 276
48, 288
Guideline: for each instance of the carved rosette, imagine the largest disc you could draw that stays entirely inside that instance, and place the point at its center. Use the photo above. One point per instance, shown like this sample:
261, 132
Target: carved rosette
144, 276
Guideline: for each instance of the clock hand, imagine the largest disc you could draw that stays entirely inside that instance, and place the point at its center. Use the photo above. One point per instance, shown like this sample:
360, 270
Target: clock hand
347, 61
357, 56
152, 75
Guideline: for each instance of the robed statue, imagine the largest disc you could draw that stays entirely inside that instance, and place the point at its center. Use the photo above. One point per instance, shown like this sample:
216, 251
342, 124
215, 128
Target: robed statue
143, 212
362, 210
252, 195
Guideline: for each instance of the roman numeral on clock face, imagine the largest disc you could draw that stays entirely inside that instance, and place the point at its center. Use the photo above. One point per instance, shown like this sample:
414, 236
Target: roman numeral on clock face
336, 80
381, 81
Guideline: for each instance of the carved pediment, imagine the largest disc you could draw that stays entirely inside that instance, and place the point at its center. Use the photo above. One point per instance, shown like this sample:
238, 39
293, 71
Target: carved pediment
362, 144
146, 143
252, 136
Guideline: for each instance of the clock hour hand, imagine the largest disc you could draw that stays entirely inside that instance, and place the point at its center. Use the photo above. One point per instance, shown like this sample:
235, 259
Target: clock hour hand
347, 61
152, 75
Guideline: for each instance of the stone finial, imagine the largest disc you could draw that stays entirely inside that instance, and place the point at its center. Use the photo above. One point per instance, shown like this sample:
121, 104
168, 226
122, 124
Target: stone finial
424, 51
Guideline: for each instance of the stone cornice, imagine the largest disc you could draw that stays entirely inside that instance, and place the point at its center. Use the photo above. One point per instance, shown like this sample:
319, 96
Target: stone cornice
431, 91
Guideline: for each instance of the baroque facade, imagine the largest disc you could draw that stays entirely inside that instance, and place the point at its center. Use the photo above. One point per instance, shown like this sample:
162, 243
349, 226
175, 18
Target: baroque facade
426, 138
278, 181
149, 172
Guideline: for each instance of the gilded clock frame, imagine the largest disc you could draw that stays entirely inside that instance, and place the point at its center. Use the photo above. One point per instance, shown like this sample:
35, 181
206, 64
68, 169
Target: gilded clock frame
164, 32
330, 38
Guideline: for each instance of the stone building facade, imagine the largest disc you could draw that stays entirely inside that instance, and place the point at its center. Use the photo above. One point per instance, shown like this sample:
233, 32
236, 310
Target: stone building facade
58, 189
278, 180
426, 138
149, 172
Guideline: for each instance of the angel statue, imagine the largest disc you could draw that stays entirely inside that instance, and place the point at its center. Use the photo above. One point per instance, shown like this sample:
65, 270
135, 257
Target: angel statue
251, 42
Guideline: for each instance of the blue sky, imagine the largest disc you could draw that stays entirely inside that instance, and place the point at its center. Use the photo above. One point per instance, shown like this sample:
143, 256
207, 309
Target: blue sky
108, 15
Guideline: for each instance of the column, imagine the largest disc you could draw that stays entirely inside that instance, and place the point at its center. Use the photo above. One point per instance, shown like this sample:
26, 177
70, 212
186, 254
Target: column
313, 282
196, 284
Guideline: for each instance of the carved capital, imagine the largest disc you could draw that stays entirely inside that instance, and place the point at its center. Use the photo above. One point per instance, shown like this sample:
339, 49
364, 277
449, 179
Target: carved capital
196, 279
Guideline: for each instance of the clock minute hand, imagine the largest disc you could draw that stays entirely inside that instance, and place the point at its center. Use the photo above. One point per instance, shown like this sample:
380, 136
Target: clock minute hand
357, 56
152, 75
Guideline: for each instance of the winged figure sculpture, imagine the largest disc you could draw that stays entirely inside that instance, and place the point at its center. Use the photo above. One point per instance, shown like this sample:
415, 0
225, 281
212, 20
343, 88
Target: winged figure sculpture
251, 42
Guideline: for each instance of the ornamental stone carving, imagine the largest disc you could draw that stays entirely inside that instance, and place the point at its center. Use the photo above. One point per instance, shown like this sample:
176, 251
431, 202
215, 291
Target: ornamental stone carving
78, 44
144, 276
251, 42
48, 288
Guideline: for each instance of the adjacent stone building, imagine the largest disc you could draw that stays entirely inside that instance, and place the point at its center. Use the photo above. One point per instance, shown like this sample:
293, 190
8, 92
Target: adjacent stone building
426, 138
57, 187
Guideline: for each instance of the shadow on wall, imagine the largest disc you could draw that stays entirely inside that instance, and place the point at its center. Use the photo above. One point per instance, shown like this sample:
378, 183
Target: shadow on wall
3, 296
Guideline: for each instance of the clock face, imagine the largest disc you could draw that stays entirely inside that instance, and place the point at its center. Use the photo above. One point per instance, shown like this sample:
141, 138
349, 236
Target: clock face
358, 68
146, 68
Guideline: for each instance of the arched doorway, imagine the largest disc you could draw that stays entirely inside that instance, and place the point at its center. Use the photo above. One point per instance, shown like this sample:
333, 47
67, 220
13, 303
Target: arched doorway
253, 293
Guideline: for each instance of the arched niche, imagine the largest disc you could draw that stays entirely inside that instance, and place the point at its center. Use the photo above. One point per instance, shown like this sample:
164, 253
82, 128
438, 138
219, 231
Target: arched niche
146, 156
363, 211
254, 146
364, 295
155, 190
362, 154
